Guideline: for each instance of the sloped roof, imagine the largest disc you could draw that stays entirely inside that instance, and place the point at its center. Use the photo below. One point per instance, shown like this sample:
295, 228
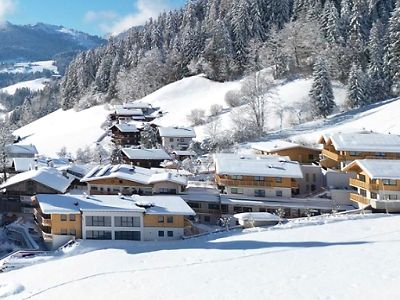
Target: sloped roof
377, 168
133, 173
366, 142
22, 164
20, 149
136, 104
158, 205
146, 154
47, 176
126, 127
177, 132
268, 166
278, 145
128, 112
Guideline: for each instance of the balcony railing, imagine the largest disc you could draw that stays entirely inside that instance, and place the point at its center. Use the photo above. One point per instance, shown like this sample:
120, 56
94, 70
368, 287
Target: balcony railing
41, 220
360, 199
331, 155
362, 184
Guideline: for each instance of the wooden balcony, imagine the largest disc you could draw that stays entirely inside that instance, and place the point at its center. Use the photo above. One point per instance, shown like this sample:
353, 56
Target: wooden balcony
332, 155
41, 219
360, 199
362, 184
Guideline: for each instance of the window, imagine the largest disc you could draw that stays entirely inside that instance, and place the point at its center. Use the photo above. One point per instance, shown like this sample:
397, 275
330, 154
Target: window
354, 153
237, 209
374, 195
389, 182
207, 219
98, 235
194, 204
127, 221
278, 193
72, 217
161, 233
63, 217
213, 206
390, 197
160, 219
258, 178
380, 154
307, 177
259, 193
170, 233
361, 177
72, 231
236, 191
127, 235
171, 139
310, 156
363, 193
170, 220
278, 179
224, 208
63, 231
98, 221
237, 177
94, 188
247, 209
314, 177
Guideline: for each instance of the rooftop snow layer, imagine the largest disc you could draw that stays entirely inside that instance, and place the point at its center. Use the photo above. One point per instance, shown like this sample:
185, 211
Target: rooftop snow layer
366, 142
126, 127
146, 154
177, 132
49, 177
378, 168
158, 205
277, 145
269, 166
13, 149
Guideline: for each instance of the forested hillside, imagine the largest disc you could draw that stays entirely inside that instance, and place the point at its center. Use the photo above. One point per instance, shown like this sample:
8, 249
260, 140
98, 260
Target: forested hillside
357, 41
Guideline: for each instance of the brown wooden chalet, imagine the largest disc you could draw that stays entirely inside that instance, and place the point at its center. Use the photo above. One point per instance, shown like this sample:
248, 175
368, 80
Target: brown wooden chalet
147, 158
125, 134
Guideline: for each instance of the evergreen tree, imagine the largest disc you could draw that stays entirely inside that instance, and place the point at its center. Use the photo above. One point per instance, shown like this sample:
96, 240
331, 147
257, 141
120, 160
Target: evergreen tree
393, 62
321, 93
148, 137
356, 88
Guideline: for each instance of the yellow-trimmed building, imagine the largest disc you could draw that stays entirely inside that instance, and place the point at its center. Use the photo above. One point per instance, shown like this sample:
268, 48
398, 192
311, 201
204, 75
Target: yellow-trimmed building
266, 176
110, 217
296, 152
340, 149
377, 184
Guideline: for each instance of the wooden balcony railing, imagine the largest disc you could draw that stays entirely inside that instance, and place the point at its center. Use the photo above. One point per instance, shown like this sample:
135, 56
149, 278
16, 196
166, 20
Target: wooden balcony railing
41, 220
364, 185
331, 155
254, 183
360, 199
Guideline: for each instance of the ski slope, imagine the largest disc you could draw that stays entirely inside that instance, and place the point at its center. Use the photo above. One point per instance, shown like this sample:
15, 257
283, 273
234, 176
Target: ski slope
33, 85
68, 128
354, 257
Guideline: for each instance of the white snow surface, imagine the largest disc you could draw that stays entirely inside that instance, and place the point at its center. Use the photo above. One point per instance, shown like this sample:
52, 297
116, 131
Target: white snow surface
348, 257
31, 67
33, 85
67, 128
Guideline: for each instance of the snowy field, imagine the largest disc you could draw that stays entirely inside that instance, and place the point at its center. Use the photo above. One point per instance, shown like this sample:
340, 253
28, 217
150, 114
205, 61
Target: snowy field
334, 258
31, 67
33, 85
64, 128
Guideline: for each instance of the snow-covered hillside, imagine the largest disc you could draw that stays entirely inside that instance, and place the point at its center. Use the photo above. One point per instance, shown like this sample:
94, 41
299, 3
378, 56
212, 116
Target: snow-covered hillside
326, 259
31, 67
65, 128
34, 85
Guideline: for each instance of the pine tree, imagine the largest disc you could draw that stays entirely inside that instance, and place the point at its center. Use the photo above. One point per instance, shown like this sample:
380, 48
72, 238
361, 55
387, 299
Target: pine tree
393, 62
148, 137
356, 88
379, 86
358, 29
321, 93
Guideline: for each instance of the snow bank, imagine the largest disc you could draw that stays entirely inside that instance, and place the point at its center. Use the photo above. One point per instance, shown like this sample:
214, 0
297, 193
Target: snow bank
33, 85
335, 260
68, 128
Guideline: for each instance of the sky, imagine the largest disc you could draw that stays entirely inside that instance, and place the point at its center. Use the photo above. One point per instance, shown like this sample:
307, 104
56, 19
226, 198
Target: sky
100, 17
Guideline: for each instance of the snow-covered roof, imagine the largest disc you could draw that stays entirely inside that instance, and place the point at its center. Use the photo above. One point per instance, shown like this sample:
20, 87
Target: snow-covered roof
173, 171
22, 164
47, 176
377, 168
184, 153
270, 166
366, 142
12, 149
177, 132
257, 216
126, 127
133, 173
151, 205
146, 154
128, 112
277, 145
136, 104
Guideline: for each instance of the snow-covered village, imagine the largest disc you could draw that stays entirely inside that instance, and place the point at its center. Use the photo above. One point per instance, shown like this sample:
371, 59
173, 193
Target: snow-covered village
200, 149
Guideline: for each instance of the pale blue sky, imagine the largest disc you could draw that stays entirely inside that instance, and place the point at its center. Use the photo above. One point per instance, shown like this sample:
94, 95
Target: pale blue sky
93, 16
